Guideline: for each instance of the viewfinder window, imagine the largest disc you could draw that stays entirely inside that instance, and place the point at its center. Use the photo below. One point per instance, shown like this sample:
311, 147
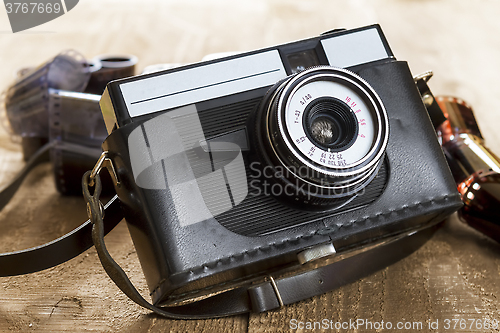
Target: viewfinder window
302, 60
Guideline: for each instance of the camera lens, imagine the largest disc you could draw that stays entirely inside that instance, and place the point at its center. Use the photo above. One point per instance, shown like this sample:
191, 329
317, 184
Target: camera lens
328, 129
330, 124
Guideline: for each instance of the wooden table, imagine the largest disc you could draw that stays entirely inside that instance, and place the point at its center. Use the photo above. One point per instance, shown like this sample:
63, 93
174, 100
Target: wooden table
456, 275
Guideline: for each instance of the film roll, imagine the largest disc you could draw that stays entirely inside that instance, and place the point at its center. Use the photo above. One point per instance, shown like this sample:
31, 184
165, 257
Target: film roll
77, 129
26, 100
110, 67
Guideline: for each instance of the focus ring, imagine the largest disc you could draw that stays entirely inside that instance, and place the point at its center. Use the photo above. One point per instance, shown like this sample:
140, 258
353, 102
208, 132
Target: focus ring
330, 127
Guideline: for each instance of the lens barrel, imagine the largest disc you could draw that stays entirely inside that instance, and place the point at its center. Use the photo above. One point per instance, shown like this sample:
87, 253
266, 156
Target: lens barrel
324, 132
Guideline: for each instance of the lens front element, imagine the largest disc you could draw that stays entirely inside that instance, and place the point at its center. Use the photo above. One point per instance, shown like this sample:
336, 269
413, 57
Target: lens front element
330, 124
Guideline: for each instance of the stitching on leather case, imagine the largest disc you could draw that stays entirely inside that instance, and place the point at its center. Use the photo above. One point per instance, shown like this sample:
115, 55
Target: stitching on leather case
392, 211
348, 224
312, 234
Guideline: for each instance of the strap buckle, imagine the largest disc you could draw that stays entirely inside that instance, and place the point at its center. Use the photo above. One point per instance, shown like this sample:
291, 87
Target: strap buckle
421, 82
276, 291
104, 161
425, 76
433, 108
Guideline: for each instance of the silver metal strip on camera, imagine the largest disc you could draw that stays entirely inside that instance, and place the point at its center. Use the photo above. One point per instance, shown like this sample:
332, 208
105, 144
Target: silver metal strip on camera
202, 83
316, 252
355, 48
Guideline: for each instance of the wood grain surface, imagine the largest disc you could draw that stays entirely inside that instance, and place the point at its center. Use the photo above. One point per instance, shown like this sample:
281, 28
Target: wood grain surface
456, 275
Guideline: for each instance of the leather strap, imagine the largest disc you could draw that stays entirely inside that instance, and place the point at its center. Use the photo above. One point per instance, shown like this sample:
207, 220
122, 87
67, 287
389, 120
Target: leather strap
10, 189
252, 298
262, 297
256, 298
327, 278
59, 250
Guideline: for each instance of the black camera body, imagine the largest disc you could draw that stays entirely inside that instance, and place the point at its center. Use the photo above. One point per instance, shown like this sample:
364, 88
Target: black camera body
334, 124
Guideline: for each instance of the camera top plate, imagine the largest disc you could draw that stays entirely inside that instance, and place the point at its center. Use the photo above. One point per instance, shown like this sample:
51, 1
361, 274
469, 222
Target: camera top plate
128, 99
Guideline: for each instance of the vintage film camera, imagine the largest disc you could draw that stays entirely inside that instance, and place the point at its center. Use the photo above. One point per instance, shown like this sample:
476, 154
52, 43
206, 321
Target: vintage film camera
55, 107
262, 165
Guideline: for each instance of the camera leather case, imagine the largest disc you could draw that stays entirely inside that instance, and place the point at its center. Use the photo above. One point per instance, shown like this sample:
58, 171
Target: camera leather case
202, 224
